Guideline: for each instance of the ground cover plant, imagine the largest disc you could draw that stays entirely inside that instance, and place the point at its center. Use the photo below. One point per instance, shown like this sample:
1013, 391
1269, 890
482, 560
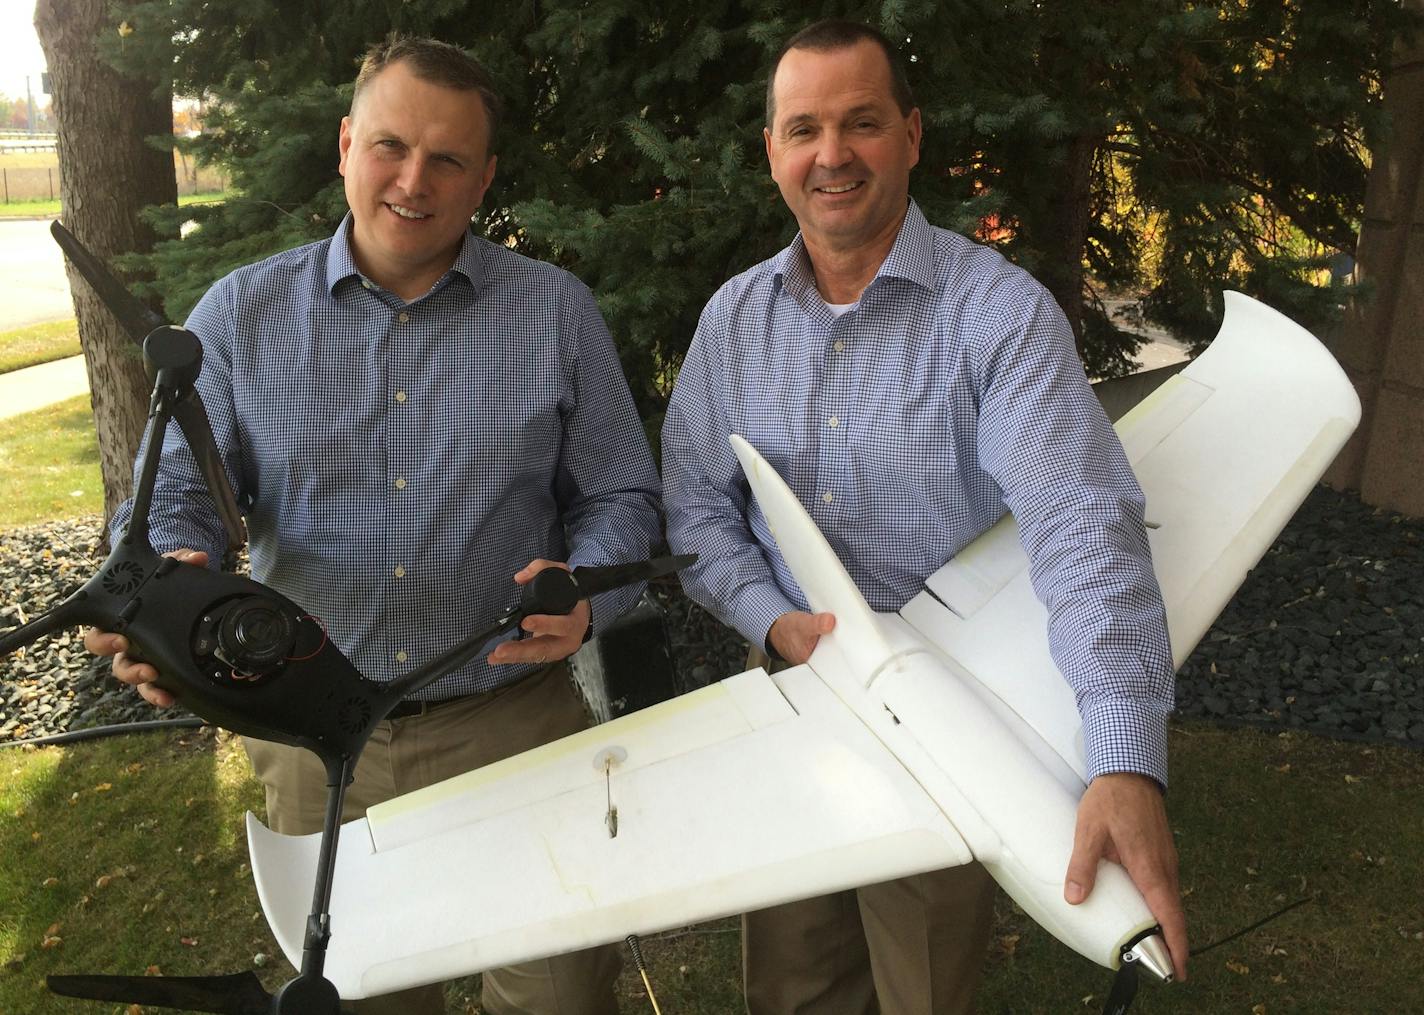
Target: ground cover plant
127, 854
38, 343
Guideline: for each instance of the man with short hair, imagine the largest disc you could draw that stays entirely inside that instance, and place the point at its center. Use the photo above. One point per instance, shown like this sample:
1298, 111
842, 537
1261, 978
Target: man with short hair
911, 386
417, 421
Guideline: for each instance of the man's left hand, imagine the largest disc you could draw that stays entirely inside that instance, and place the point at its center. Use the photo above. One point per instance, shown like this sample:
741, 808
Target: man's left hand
552, 636
1122, 818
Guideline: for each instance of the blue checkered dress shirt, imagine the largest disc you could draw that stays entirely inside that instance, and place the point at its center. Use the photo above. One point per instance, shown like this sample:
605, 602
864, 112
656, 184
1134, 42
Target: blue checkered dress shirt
907, 426
398, 462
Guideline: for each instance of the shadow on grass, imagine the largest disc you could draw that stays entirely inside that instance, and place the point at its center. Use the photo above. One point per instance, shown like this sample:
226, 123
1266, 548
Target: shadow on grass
124, 855
1262, 819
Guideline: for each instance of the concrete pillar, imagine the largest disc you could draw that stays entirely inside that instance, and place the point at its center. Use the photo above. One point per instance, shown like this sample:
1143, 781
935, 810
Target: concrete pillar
1381, 343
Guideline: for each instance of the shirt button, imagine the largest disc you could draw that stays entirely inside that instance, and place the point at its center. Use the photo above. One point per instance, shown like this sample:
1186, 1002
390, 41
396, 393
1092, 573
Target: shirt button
400, 571
403, 317
827, 497
839, 346
833, 422
366, 283
400, 396
400, 482
401, 657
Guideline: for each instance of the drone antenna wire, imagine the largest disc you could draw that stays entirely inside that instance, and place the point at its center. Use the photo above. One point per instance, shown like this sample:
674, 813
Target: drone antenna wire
637, 950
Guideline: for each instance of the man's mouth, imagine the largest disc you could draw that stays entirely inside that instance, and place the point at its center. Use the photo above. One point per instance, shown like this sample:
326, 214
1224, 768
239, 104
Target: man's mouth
407, 213
841, 188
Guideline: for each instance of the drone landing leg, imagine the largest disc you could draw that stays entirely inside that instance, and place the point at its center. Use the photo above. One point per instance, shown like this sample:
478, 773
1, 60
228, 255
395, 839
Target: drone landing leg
311, 993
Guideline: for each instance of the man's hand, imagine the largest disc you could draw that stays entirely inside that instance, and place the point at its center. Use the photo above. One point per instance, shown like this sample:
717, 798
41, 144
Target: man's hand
555, 637
1122, 817
794, 635
140, 675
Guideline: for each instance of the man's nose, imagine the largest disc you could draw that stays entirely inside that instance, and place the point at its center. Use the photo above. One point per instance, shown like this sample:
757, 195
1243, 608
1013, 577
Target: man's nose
413, 176
833, 150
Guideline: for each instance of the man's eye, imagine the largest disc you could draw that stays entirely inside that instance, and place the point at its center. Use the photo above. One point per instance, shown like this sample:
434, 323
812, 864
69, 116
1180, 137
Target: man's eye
799, 132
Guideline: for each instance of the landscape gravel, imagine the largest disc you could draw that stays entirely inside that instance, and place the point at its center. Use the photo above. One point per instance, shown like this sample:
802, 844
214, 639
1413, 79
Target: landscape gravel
1326, 634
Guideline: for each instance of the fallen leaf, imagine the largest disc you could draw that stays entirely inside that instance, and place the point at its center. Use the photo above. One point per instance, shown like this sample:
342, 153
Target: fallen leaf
103, 787
51, 942
103, 880
153, 971
191, 942
1352, 778
50, 882
1239, 968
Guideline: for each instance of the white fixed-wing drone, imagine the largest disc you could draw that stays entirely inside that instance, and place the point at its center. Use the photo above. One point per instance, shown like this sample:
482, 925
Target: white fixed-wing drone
908, 743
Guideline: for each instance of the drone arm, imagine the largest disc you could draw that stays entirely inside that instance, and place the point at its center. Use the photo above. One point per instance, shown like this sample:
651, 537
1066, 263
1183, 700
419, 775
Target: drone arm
63, 615
192, 419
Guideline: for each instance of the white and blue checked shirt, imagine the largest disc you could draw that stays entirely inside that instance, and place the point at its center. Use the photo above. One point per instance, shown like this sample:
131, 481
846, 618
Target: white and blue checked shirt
907, 426
398, 462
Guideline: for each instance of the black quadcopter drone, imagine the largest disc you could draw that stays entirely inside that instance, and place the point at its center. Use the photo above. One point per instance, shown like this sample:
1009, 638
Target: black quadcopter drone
245, 657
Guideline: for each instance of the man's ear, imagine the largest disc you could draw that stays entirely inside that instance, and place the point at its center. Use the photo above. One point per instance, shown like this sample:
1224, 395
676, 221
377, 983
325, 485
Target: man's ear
343, 144
916, 133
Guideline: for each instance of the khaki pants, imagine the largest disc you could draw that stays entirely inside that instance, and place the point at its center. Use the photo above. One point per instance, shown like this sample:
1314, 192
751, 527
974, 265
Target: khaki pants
913, 946
408, 754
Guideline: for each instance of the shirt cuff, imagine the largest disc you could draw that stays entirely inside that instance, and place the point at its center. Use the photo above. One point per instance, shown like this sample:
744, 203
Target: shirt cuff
1125, 735
756, 609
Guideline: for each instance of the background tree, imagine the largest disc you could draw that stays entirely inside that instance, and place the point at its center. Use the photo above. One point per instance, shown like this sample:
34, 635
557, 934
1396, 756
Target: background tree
1159, 148
108, 172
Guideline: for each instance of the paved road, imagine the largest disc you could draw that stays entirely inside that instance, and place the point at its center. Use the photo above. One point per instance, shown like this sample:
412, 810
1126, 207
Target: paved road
33, 286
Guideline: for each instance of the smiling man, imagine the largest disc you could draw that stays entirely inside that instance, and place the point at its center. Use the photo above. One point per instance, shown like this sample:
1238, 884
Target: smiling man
911, 386
417, 421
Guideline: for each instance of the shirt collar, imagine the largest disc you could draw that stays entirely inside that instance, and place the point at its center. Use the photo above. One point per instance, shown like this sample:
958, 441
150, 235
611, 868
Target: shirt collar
911, 258
340, 265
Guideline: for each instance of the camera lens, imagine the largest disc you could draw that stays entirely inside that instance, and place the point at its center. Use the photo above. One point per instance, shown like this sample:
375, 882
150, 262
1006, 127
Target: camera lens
255, 635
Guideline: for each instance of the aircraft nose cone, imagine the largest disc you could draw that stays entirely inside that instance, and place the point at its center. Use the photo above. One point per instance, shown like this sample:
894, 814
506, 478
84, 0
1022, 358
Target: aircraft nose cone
1152, 955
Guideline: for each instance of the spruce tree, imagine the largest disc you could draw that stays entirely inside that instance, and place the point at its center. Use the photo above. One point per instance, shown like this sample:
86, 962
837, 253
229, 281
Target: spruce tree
1162, 147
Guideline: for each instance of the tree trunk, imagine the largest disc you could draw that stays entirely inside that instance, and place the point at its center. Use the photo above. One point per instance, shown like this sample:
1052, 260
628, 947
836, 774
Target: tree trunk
107, 175
1063, 233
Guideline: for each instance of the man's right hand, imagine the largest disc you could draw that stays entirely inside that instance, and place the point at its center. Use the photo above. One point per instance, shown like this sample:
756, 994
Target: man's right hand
794, 635
140, 675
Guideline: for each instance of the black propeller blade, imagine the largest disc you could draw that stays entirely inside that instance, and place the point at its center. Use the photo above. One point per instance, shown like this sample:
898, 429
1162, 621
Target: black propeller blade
163, 345
552, 591
234, 994
133, 316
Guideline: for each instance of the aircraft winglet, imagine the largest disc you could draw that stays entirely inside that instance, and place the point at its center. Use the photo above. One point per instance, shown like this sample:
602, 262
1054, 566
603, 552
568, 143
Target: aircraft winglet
859, 634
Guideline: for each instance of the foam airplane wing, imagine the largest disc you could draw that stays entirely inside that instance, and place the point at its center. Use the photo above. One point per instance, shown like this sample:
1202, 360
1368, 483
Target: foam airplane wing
908, 743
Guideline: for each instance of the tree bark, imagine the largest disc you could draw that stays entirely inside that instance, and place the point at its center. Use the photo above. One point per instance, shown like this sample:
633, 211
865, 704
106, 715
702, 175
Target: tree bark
107, 174
1063, 232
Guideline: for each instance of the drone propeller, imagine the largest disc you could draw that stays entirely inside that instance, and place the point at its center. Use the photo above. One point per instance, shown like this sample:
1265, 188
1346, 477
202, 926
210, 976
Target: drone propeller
552, 591
235, 994
163, 346
132, 315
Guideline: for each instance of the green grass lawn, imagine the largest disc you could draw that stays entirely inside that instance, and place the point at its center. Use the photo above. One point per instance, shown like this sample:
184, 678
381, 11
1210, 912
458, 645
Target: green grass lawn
127, 854
51, 209
38, 343
49, 466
